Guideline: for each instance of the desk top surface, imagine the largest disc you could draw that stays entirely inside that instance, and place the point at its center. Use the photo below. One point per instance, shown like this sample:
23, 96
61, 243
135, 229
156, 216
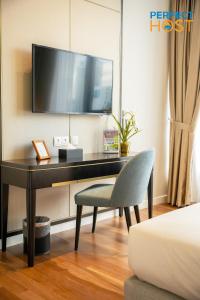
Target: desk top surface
55, 162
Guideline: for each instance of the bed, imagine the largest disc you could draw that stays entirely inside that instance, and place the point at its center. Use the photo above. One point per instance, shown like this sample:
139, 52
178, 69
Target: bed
164, 254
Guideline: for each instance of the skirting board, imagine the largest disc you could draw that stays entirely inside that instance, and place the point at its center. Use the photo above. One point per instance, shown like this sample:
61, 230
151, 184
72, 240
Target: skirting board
156, 200
18, 239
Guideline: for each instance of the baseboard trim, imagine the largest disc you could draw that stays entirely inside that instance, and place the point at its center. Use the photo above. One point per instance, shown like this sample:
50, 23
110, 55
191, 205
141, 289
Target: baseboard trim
59, 221
156, 200
16, 237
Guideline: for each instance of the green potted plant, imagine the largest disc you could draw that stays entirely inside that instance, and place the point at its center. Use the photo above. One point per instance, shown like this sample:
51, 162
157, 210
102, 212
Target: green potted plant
127, 128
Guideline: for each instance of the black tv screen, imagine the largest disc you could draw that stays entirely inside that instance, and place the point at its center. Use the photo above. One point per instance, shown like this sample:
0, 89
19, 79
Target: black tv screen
72, 83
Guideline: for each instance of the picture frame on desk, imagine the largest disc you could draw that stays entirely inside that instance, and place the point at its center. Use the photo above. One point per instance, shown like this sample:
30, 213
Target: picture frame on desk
41, 149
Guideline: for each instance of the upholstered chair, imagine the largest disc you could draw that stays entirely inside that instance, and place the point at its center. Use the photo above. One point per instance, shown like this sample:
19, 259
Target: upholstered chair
129, 190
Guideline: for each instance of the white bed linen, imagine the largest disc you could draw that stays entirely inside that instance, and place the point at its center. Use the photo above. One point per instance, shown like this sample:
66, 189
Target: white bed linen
165, 251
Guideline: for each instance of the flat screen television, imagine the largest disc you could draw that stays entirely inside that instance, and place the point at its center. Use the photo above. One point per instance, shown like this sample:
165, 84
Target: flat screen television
70, 83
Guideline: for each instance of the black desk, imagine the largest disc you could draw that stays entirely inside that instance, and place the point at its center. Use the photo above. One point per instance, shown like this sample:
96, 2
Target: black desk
31, 174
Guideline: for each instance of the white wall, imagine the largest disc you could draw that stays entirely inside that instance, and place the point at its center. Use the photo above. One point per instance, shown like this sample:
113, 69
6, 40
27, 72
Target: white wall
145, 66
91, 27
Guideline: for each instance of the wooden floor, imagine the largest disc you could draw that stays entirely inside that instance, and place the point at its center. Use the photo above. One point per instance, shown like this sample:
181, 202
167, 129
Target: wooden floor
96, 272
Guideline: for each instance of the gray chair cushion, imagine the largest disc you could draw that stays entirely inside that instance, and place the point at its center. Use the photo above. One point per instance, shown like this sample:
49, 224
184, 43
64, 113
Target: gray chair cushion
96, 195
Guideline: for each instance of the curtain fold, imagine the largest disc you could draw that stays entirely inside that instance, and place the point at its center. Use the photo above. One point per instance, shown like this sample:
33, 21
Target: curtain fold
195, 186
184, 95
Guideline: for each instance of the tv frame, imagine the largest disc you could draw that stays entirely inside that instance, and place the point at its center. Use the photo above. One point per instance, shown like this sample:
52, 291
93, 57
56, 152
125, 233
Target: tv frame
66, 113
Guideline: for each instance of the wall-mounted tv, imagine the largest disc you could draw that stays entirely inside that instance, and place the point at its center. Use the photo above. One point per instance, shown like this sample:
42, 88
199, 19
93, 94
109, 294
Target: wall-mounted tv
70, 83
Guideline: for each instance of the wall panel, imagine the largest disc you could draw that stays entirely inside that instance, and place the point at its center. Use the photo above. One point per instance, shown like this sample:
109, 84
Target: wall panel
95, 30
145, 78
25, 22
112, 4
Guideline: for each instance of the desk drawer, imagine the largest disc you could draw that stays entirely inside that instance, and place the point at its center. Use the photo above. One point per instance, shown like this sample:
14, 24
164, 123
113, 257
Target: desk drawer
48, 177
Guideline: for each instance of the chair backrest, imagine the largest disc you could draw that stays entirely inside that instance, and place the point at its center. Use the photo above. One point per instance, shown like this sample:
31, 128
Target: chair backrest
132, 182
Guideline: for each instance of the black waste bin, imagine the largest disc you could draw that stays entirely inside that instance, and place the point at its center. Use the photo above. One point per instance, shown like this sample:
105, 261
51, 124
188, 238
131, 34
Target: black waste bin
42, 235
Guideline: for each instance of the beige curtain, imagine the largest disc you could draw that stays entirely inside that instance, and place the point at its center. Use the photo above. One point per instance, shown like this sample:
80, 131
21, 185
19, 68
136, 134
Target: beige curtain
184, 102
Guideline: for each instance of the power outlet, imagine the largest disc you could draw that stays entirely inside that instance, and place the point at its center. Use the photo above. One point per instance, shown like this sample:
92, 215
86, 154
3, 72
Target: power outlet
64, 140
57, 141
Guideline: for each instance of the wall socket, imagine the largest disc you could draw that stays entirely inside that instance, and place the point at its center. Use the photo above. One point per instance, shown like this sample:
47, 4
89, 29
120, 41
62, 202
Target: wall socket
59, 141
64, 140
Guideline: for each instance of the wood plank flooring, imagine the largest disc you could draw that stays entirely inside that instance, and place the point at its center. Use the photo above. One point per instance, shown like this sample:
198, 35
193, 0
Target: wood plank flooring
96, 271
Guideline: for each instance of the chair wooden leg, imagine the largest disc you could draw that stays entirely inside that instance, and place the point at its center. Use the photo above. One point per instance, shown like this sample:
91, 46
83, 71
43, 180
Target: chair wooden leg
94, 218
120, 212
78, 225
128, 217
137, 213
150, 196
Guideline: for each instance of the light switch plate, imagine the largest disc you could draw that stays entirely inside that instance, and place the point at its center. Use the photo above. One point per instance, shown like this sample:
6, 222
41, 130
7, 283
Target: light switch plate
75, 140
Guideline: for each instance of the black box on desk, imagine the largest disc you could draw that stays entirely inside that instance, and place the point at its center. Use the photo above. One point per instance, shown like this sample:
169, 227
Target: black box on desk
69, 154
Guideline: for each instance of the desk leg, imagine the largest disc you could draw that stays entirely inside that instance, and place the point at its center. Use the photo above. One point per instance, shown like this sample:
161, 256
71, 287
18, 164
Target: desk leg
4, 214
150, 196
30, 213
120, 212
